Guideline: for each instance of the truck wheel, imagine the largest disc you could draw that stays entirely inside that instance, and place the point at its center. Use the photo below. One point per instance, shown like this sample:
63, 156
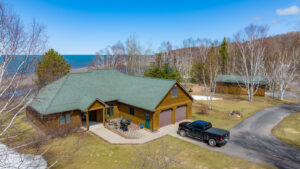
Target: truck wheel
182, 133
212, 142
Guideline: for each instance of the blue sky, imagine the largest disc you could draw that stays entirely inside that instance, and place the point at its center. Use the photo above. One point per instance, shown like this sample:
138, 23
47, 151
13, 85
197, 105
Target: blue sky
86, 26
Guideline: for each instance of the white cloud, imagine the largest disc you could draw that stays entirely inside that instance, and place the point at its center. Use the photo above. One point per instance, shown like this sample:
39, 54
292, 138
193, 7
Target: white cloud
256, 18
293, 10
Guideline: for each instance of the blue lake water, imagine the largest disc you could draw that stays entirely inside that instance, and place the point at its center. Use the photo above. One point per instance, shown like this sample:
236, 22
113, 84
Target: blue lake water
79, 61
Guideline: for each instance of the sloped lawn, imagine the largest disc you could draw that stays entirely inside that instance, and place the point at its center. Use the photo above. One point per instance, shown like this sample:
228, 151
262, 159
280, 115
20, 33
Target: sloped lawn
219, 115
288, 130
85, 151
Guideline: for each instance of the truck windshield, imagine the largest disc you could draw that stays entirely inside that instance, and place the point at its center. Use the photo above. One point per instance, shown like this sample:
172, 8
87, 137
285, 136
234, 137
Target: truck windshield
207, 126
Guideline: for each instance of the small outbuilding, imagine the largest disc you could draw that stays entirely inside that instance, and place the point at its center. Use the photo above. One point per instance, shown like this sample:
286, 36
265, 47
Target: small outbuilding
234, 84
99, 95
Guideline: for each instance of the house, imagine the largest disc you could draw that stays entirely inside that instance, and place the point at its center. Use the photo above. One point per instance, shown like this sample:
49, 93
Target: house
99, 95
234, 84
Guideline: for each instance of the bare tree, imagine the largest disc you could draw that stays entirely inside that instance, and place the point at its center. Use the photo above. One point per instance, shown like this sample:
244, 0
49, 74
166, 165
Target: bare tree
250, 43
271, 64
199, 72
135, 61
165, 50
110, 57
287, 66
188, 45
17, 46
212, 69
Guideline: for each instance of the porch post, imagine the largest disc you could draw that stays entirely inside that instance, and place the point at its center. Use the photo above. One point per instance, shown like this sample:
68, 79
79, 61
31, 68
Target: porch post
103, 113
189, 111
174, 114
87, 120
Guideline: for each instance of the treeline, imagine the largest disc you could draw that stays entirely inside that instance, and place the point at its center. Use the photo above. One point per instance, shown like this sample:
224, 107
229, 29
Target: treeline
129, 57
249, 53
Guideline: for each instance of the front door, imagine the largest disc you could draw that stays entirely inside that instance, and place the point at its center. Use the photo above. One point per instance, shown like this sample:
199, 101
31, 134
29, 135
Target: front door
147, 120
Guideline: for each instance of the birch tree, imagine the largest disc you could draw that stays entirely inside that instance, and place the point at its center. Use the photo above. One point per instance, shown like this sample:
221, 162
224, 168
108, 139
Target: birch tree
17, 44
110, 57
135, 62
271, 64
287, 66
198, 72
212, 69
250, 43
188, 45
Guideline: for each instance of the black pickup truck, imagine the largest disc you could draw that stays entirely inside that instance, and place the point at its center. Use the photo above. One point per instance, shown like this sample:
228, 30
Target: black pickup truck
204, 131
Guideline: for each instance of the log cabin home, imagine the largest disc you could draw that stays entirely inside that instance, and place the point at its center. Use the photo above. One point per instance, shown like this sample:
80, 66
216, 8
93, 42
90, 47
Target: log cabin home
233, 84
99, 95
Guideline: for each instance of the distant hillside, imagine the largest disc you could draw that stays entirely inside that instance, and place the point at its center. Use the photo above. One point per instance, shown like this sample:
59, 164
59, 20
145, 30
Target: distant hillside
291, 38
196, 50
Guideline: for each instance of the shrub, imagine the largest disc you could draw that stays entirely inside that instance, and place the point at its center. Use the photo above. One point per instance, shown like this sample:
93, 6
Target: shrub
191, 90
203, 109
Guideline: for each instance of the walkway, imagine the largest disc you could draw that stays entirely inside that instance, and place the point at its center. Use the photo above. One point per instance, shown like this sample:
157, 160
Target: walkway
114, 138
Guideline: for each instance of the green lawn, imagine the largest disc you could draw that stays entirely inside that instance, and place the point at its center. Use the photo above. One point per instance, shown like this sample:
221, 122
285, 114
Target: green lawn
85, 151
219, 114
288, 130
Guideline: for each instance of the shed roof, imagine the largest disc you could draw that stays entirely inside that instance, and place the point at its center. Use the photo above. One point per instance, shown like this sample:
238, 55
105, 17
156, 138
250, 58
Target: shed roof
79, 90
239, 79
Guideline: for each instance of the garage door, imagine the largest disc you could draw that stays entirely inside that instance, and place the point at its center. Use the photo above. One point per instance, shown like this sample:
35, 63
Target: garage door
180, 113
165, 117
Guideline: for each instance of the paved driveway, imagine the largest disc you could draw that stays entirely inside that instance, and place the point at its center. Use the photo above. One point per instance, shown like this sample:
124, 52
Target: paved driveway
253, 141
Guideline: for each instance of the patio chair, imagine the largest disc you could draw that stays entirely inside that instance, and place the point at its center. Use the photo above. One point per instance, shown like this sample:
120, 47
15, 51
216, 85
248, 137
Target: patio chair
124, 126
128, 121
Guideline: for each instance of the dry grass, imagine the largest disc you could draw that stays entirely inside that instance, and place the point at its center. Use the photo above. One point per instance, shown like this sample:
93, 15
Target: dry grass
219, 114
288, 130
91, 152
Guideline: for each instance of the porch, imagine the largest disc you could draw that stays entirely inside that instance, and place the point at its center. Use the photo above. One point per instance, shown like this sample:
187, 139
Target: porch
146, 135
97, 113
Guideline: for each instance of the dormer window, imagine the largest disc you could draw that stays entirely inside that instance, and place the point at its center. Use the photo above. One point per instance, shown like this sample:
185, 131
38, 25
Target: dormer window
174, 92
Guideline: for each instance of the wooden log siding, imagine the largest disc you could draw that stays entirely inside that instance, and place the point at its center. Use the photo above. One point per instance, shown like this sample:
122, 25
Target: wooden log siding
170, 102
35, 118
137, 118
51, 121
234, 88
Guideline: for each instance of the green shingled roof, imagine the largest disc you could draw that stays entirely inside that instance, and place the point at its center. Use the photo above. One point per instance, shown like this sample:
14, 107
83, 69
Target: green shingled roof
80, 90
239, 79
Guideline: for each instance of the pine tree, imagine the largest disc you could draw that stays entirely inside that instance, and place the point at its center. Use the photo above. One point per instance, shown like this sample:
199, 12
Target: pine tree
164, 72
51, 67
224, 56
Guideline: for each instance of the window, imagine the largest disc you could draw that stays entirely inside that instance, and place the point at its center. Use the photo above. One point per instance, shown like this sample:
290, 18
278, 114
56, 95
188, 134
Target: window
68, 118
174, 92
131, 111
62, 119
110, 111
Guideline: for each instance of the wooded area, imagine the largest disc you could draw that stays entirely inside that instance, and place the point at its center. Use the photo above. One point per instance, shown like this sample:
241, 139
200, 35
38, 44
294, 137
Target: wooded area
249, 53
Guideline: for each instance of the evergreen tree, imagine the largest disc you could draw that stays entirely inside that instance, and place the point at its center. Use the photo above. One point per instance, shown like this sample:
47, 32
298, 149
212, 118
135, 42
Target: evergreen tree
224, 56
51, 67
164, 72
